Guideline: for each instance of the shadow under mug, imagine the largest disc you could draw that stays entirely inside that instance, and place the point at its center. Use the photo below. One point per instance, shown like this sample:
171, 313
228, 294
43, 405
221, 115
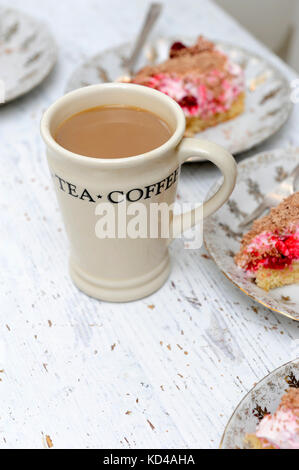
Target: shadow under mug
124, 269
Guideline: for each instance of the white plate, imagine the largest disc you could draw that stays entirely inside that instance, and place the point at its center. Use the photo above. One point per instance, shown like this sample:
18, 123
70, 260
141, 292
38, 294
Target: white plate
266, 394
27, 52
268, 103
256, 176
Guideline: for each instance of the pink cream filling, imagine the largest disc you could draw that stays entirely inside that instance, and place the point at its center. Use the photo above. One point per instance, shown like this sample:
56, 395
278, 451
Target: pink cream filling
280, 429
195, 97
286, 247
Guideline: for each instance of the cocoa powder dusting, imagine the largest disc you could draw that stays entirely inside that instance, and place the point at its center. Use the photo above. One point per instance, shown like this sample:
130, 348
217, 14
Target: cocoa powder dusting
291, 398
197, 60
291, 401
201, 45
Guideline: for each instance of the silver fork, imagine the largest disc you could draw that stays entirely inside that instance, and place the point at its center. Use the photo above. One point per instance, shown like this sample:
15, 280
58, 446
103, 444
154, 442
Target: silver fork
152, 16
274, 197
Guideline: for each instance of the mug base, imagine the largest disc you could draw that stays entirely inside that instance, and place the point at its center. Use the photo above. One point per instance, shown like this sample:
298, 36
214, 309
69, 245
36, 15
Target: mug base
126, 291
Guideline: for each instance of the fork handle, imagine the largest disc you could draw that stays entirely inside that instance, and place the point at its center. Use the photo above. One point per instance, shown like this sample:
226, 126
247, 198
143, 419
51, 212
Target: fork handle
151, 18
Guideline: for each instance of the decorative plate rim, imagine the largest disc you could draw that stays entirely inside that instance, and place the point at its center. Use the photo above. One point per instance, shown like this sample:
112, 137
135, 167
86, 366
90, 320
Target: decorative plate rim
273, 372
47, 69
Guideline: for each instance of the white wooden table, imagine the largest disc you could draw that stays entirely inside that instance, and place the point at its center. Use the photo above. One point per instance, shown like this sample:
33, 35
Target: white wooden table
164, 372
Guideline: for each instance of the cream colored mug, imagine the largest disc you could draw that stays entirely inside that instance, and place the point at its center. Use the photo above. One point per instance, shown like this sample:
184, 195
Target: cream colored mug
124, 269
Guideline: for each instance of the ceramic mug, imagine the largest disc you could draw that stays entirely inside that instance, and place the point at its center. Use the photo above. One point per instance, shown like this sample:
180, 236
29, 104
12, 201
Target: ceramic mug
124, 269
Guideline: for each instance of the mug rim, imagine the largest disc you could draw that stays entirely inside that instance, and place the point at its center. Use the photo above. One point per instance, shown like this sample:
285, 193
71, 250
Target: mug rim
172, 142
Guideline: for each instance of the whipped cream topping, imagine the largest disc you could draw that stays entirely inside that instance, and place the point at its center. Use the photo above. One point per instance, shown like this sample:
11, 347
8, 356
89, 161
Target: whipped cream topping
281, 429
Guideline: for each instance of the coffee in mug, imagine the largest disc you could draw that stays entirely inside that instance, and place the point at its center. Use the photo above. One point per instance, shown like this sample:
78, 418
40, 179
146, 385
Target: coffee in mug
113, 132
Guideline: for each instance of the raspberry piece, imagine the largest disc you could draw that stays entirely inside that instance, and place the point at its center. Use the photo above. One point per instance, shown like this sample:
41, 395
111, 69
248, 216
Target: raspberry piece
288, 247
188, 101
277, 263
177, 46
292, 245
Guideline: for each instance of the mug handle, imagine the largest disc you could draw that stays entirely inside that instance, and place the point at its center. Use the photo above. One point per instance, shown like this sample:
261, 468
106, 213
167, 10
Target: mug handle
227, 165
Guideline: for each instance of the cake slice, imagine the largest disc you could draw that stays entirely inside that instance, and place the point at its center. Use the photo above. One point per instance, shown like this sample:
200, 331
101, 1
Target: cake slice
280, 430
270, 250
203, 80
